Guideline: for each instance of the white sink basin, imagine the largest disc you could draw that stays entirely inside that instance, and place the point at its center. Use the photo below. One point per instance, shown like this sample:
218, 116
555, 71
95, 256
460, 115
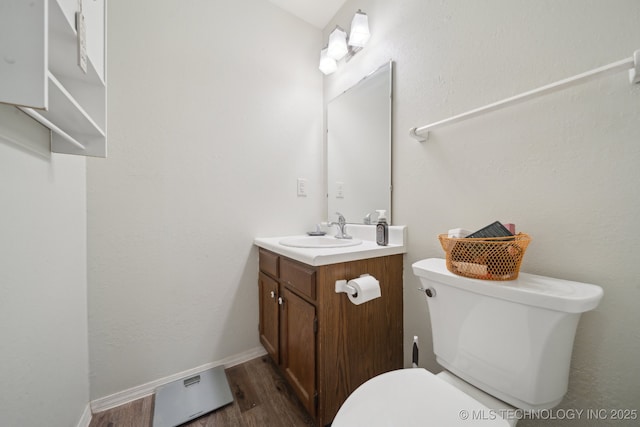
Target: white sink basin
318, 242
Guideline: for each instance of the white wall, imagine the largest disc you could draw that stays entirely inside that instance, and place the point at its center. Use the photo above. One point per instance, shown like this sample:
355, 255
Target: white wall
43, 280
215, 108
564, 168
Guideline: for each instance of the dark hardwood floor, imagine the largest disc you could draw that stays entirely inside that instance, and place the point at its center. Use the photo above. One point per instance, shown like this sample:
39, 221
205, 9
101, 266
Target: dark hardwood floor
261, 399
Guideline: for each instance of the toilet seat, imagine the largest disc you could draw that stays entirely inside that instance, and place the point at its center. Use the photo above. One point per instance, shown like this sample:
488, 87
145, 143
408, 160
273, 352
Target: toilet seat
413, 397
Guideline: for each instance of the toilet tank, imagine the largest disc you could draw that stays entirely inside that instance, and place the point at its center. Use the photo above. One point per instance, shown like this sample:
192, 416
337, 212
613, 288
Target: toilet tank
512, 339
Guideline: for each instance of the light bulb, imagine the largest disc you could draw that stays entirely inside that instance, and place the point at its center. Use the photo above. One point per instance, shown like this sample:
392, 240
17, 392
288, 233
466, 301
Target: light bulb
359, 30
337, 44
327, 64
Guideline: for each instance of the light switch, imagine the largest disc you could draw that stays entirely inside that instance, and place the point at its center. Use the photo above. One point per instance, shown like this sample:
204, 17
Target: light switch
339, 190
302, 187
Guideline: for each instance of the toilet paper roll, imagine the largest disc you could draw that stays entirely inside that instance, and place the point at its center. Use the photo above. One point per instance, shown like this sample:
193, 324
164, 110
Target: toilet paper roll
367, 288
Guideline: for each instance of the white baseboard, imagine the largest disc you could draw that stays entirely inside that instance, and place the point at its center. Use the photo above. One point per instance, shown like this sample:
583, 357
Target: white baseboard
143, 390
85, 420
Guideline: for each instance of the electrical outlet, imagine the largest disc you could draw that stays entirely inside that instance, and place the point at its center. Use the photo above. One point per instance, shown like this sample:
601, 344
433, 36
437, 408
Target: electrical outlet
302, 187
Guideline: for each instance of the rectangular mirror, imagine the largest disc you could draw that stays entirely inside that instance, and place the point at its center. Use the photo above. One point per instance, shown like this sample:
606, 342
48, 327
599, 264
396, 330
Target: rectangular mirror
359, 149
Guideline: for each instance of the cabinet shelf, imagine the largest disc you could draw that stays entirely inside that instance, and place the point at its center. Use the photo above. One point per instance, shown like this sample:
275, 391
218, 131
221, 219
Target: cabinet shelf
63, 39
72, 103
72, 123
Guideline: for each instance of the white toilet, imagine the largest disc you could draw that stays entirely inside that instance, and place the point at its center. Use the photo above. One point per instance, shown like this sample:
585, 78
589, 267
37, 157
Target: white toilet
505, 346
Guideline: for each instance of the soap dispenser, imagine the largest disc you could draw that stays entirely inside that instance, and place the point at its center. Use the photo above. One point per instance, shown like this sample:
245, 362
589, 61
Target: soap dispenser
382, 228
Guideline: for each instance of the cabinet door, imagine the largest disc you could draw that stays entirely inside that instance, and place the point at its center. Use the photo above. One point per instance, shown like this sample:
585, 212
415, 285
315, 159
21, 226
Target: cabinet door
269, 315
23, 55
298, 347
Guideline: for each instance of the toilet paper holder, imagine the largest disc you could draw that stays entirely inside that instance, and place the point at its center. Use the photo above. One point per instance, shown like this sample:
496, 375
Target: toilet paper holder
343, 286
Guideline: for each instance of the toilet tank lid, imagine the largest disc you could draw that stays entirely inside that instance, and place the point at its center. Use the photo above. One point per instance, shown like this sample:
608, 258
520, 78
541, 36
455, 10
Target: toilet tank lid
530, 289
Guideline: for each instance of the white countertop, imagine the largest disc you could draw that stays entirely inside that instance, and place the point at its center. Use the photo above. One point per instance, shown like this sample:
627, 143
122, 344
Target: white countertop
325, 256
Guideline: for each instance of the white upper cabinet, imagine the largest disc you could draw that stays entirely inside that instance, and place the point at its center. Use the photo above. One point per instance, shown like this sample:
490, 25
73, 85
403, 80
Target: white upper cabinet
23, 59
39, 70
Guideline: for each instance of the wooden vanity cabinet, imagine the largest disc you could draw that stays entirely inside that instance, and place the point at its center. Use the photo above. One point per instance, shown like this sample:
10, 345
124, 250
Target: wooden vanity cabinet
325, 345
269, 309
288, 322
297, 347
269, 316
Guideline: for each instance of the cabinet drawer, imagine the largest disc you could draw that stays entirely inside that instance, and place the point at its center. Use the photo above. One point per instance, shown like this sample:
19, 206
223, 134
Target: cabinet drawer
299, 277
269, 263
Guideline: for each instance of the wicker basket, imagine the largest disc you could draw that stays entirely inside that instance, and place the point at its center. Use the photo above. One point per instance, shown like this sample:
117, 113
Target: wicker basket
487, 258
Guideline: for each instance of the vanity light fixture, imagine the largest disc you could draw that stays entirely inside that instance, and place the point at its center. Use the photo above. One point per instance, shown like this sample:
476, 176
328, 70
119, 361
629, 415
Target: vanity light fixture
338, 47
359, 30
327, 64
337, 44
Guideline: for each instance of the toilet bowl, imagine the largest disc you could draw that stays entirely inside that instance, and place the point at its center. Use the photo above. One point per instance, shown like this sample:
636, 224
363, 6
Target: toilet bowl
416, 397
504, 347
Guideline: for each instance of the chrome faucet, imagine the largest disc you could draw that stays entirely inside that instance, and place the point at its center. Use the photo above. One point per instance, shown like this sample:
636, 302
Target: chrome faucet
342, 223
367, 219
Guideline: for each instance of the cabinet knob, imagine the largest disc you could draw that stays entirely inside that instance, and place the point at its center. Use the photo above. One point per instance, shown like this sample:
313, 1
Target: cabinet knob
273, 294
280, 300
